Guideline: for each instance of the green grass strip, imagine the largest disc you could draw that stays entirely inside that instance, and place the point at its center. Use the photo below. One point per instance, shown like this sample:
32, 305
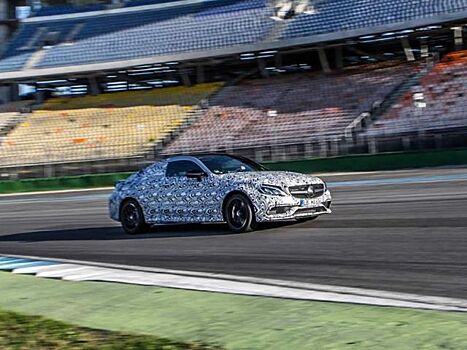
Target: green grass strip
34, 332
62, 183
232, 321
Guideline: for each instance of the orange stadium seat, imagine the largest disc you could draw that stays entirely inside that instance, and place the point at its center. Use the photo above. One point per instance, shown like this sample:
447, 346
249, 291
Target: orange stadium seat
309, 106
444, 92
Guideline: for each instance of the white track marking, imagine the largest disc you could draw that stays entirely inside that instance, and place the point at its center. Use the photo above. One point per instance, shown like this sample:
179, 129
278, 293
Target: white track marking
38, 269
61, 271
243, 288
90, 271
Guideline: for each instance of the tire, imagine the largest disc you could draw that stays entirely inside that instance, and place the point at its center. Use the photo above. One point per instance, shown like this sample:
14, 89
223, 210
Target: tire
132, 218
239, 214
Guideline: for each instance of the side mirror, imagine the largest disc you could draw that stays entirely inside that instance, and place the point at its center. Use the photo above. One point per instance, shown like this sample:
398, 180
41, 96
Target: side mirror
196, 175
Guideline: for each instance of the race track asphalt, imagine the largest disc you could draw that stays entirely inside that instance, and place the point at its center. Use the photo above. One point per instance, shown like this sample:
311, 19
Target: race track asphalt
399, 231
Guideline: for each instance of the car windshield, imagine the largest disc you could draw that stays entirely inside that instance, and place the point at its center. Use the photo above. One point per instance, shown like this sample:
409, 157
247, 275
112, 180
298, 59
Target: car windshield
222, 164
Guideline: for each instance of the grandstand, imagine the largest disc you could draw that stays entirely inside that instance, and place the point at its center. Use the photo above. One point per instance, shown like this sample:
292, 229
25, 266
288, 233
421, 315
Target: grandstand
129, 34
438, 103
198, 28
10, 116
306, 107
337, 16
100, 127
144, 79
11, 109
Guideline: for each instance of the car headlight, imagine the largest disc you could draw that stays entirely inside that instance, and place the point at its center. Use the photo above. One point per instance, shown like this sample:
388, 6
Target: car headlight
272, 190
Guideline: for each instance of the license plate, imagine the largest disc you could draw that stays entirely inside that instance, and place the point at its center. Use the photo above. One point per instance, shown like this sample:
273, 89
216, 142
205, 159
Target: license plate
309, 203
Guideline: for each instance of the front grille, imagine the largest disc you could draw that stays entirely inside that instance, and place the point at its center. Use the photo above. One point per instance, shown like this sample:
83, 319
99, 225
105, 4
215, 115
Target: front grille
307, 191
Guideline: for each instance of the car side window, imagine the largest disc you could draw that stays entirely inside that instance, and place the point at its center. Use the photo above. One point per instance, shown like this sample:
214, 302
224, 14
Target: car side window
180, 168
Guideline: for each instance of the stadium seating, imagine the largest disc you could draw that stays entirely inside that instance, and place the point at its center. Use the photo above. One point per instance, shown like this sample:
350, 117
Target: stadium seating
19, 50
120, 125
165, 96
139, 34
438, 102
156, 32
31, 36
6, 120
309, 108
14, 107
10, 114
337, 15
133, 33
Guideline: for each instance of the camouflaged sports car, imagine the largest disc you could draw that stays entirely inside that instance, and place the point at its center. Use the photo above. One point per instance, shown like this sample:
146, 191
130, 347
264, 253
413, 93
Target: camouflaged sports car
215, 188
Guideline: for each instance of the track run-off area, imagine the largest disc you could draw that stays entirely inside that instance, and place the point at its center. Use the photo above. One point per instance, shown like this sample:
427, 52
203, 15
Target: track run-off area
401, 231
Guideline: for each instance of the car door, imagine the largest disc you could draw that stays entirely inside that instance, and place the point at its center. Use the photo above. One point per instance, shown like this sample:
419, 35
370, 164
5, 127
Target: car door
150, 189
180, 195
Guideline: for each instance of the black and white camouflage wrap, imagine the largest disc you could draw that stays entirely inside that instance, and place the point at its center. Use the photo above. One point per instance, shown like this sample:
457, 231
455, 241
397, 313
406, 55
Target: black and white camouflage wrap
184, 200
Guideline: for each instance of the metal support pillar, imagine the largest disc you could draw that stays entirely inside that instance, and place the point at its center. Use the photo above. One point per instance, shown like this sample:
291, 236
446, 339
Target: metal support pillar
323, 60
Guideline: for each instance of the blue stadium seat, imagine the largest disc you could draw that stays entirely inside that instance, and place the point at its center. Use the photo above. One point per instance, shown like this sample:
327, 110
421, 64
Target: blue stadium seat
337, 15
17, 52
156, 32
197, 27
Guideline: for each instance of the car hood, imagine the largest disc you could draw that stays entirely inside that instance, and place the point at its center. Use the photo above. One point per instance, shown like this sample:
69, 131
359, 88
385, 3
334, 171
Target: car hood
276, 178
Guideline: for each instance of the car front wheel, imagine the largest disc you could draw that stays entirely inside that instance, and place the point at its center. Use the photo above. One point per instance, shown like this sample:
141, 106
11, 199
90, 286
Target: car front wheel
132, 218
239, 214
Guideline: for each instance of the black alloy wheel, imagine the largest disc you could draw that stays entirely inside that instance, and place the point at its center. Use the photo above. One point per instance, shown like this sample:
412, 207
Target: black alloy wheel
239, 214
132, 218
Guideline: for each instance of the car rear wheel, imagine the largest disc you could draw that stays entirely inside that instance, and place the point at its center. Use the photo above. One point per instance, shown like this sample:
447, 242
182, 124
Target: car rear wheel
239, 214
132, 218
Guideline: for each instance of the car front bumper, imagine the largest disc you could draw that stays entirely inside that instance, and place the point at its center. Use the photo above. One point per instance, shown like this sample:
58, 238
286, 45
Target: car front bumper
291, 208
